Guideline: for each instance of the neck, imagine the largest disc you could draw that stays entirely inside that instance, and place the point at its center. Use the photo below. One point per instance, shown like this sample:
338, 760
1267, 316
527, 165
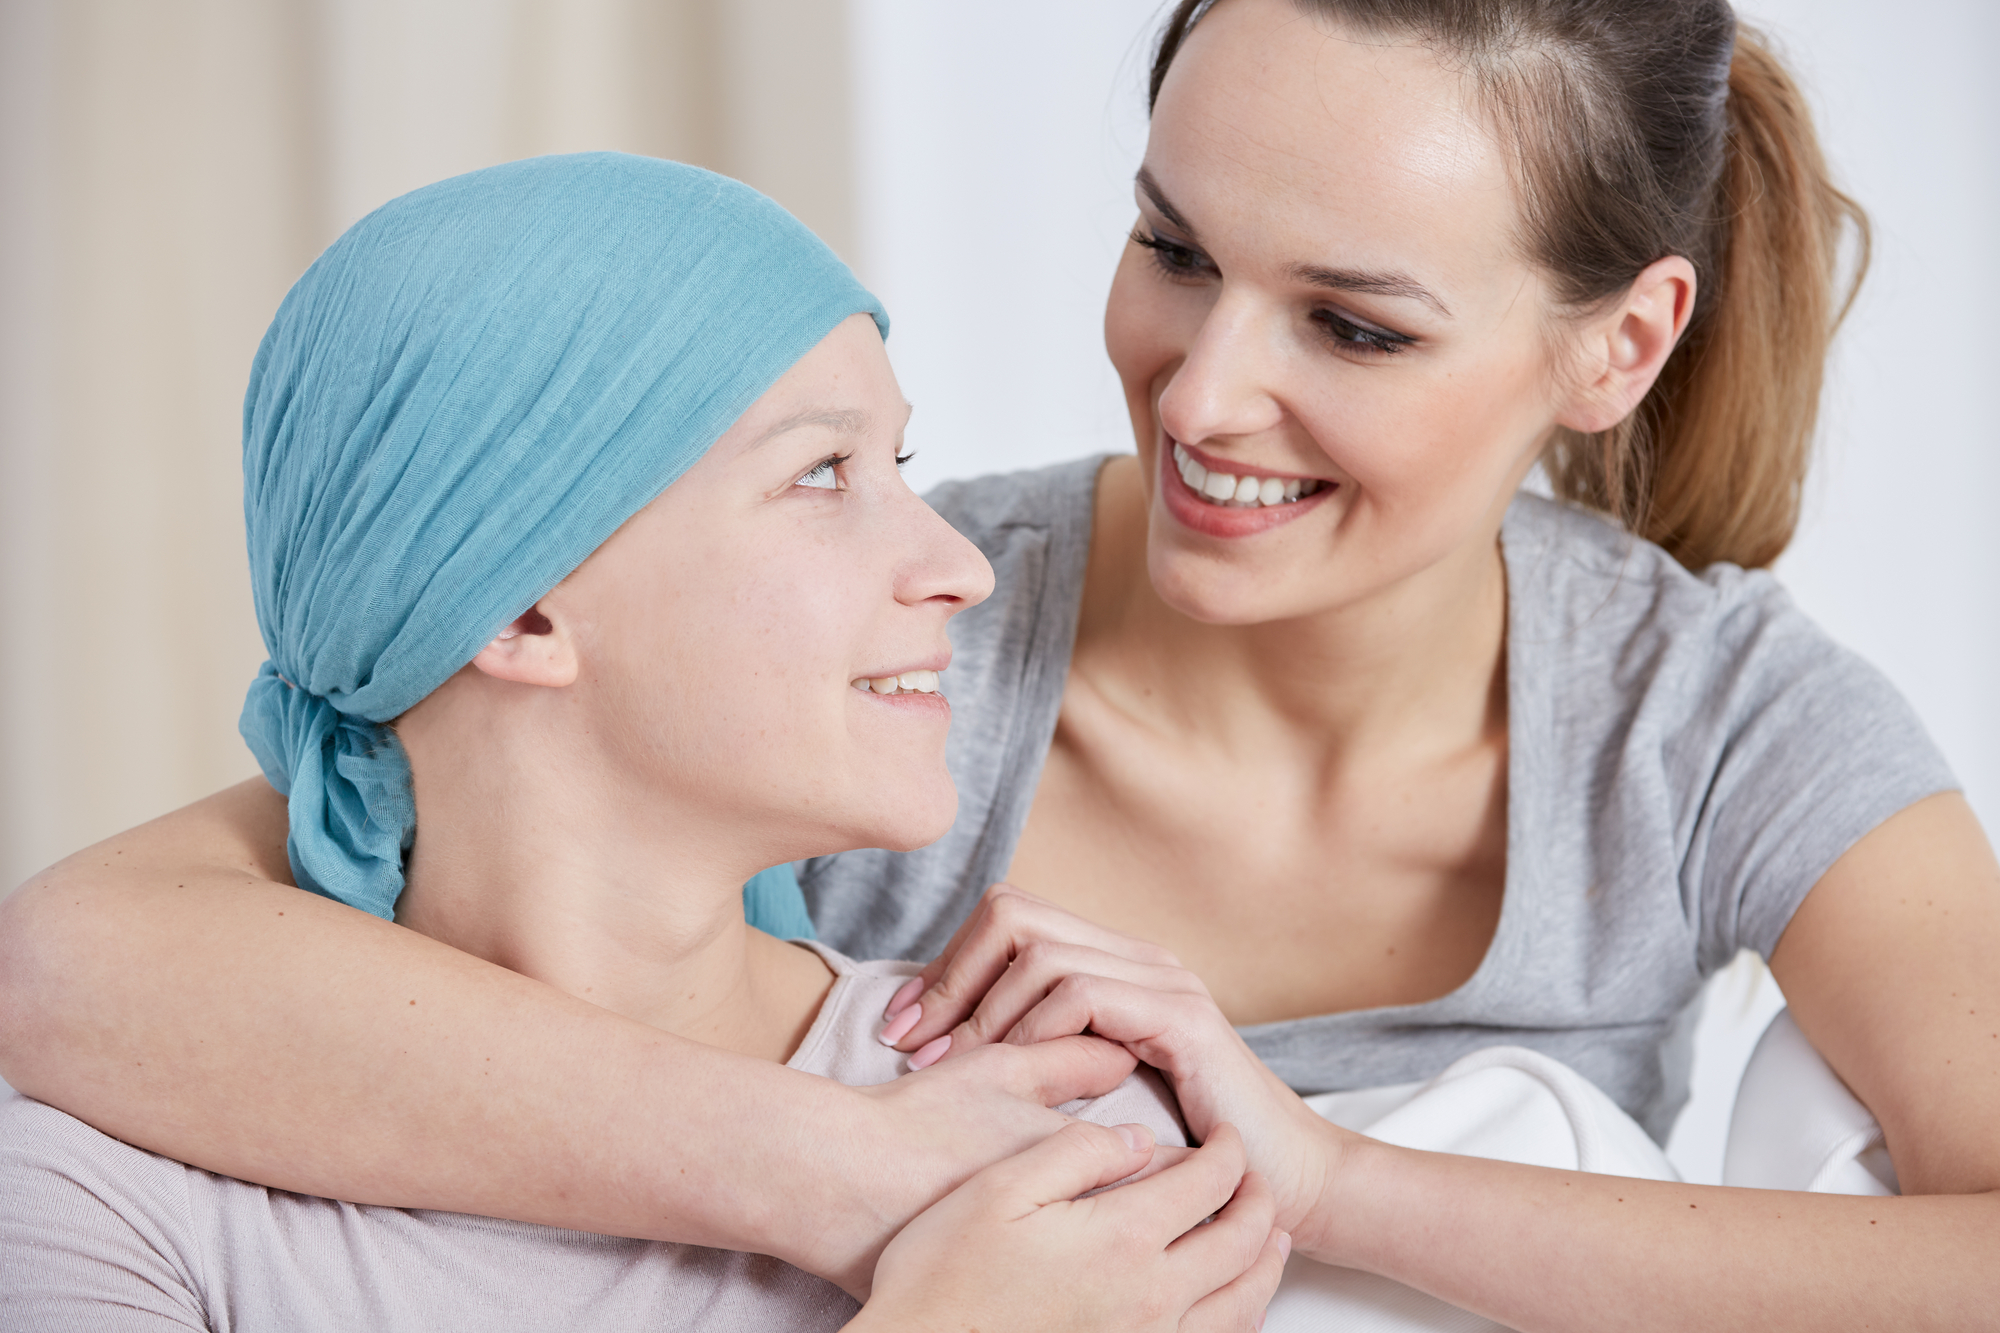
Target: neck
1416, 670
523, 858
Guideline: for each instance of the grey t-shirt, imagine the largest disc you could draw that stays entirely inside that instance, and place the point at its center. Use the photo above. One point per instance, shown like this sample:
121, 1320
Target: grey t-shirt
100, 1237
1688, 754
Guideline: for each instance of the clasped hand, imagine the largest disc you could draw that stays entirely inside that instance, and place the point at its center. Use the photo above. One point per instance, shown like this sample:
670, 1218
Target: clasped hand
1022, 971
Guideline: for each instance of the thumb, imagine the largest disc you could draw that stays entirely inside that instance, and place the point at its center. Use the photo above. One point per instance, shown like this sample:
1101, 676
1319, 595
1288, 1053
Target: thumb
1076, 1159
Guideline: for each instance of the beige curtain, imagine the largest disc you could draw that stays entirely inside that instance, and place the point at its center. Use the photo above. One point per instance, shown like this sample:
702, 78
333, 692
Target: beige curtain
167, 169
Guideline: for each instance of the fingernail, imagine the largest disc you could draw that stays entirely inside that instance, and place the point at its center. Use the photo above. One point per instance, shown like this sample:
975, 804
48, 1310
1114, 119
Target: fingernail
931, 1052
1260, 1319
1284, 1244
905, 994
899, 1026
1137, 1137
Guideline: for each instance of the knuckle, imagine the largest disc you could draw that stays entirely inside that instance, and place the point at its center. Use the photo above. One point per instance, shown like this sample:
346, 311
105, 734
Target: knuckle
1040, 954
1077, 986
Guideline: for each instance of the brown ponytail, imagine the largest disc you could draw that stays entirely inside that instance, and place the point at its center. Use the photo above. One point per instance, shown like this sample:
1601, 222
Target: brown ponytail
1643, 128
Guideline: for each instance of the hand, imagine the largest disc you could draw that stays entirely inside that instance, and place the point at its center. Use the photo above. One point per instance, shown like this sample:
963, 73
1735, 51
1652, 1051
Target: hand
1215, 1076
892, 1150
1028, 971
953, 996
1015, 1249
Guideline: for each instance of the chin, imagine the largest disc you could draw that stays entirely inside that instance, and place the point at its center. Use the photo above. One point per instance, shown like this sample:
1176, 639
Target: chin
1215, 592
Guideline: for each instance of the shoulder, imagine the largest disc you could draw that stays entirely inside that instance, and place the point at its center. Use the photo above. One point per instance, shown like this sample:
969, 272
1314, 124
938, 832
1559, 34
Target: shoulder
842, 1045
40, 1144
97, 1224
1663, 718
1623, 617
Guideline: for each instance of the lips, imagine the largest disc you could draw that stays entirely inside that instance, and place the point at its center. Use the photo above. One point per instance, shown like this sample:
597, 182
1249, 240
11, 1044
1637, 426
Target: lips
1200, 512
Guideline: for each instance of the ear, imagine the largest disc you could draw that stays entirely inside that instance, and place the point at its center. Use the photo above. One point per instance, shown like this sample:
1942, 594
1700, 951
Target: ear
1625, 347
535, 650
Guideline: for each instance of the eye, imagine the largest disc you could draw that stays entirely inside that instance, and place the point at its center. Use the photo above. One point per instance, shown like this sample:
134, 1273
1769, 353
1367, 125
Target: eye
1174, 260
1344, 332
825, 473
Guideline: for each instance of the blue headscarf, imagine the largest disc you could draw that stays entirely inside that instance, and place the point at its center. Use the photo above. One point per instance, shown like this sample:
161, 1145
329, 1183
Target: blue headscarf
461, 400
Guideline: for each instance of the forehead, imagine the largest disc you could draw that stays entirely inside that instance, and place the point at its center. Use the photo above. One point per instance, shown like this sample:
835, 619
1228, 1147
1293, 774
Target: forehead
1332, 145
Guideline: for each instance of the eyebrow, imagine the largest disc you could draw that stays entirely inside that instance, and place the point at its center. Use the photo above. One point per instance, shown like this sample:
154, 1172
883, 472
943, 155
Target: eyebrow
1373, 284
840, 420
1313, 275
843, 421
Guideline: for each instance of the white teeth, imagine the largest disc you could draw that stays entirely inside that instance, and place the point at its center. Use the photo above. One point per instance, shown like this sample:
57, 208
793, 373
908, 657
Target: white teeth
1246, 492
908, 682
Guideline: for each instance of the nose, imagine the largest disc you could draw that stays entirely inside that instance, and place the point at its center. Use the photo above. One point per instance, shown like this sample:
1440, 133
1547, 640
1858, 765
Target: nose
1223, 387
942, 568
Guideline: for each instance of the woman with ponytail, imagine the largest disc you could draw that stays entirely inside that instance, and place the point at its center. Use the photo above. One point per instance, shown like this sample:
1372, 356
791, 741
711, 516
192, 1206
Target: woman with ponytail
1324, 753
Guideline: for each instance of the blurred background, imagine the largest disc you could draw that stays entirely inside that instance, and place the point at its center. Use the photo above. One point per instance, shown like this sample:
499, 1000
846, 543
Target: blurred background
169, 167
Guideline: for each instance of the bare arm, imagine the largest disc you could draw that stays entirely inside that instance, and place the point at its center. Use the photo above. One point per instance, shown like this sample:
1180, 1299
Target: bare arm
171, 989
1889, 966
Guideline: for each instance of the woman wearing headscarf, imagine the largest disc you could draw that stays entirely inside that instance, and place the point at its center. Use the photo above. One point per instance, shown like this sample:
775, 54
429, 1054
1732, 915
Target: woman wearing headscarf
590, 588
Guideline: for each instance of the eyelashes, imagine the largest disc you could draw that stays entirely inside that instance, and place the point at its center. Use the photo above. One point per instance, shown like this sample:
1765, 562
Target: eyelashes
1185, 264
824, 475
1175, 261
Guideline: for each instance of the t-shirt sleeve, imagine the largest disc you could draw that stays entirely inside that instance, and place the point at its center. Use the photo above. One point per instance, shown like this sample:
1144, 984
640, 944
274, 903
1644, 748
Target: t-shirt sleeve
1808, 749
90, 1230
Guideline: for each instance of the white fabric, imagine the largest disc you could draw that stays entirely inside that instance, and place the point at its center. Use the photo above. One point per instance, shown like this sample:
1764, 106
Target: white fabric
1795, 1127
1507, 1103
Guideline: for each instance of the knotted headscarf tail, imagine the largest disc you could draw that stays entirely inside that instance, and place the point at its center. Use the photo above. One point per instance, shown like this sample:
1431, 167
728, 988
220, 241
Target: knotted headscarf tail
461, 400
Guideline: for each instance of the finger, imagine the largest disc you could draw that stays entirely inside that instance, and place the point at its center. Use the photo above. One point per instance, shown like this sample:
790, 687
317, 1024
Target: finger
1164, 1028
931, 971
1240, 1304
1007, 922
1045, 964
1052, 1072
1074, 1160
1210, 1257
1173, 1202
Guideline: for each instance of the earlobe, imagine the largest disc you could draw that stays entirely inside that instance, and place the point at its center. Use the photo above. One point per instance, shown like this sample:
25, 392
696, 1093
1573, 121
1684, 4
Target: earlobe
535, 650
1629, 345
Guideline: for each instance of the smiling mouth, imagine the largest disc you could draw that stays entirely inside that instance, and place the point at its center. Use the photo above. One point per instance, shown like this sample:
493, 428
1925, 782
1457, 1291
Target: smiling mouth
1226, 490
908, 682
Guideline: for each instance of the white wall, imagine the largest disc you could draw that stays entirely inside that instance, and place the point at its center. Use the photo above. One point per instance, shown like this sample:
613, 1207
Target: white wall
996, 159
995, 147
1900, 554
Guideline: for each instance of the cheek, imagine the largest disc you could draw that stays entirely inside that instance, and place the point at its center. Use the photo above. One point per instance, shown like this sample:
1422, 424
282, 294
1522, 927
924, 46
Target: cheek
728, 672
1413, 440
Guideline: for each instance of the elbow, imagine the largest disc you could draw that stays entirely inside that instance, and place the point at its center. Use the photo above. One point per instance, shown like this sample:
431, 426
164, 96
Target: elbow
45, 929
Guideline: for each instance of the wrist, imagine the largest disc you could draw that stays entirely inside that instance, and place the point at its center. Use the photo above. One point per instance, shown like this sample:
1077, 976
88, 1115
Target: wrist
1336, 1218
834, 1216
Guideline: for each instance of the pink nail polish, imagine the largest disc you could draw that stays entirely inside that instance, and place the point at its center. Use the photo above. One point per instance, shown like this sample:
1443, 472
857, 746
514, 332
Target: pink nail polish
1284, 1244
905, 994
930, 1052
899, 1026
